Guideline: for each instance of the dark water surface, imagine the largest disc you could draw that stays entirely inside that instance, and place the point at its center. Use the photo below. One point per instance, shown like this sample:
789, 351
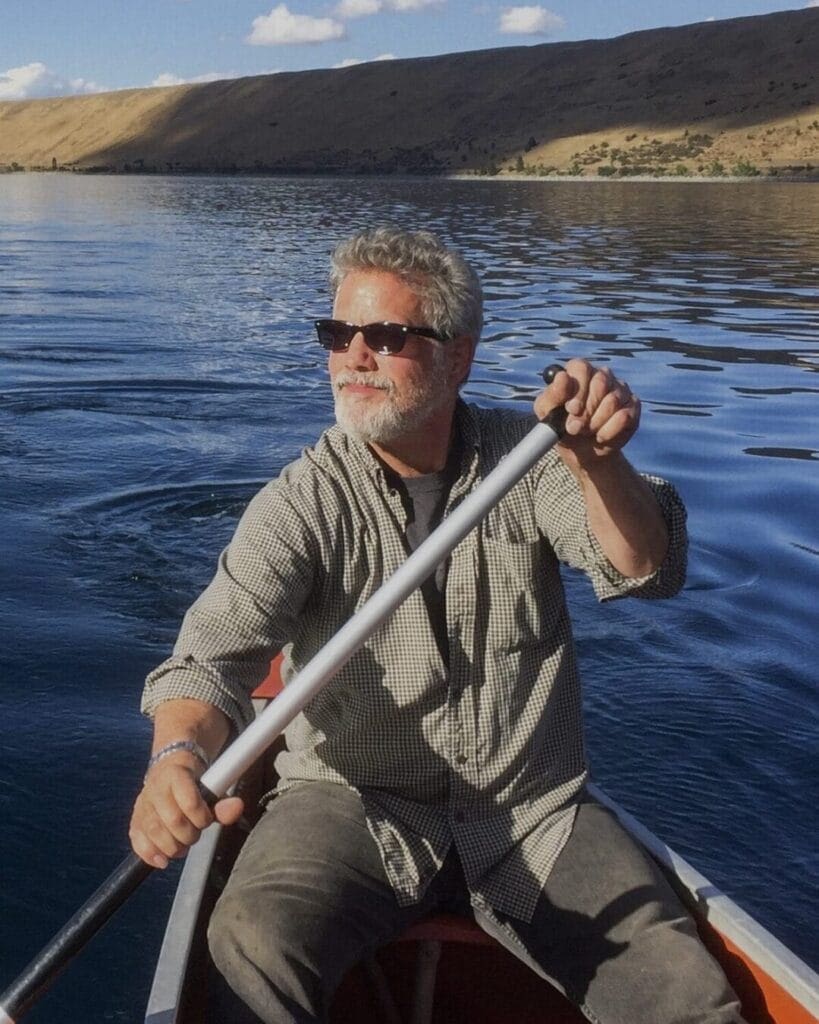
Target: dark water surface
156, 368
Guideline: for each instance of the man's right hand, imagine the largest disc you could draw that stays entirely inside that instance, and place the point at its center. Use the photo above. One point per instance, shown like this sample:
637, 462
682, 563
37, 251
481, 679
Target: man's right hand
170, 814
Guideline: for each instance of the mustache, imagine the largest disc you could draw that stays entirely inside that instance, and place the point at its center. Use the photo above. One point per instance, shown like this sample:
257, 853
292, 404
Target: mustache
370, 380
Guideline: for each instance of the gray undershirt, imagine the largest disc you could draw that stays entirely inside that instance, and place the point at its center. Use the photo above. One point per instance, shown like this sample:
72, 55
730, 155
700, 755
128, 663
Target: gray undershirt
425, 499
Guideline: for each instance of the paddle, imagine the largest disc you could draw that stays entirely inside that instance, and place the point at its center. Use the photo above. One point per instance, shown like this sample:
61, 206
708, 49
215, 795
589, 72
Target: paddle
250, 744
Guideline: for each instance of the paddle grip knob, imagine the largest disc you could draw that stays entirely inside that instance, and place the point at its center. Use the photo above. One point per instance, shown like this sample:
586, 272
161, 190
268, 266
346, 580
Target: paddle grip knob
557, 417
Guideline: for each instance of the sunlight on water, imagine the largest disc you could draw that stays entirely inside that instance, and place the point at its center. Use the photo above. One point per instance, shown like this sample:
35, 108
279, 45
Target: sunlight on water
157, 367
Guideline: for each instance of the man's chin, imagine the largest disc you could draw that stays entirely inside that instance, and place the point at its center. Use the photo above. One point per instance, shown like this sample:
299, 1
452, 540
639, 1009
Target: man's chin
362, 424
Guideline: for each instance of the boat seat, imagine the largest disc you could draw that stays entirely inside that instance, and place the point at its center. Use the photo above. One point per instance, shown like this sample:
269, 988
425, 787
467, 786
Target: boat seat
430, 935
447, 928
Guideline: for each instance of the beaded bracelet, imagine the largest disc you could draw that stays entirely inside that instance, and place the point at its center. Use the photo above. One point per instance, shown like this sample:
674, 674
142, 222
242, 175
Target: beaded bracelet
171, 748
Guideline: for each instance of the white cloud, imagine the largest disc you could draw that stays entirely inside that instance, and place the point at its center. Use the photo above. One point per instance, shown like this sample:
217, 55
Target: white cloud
168, 78
350, 62
362, 8
37, 81
358, 8
530, 21
412, 5
281, 27
812, 3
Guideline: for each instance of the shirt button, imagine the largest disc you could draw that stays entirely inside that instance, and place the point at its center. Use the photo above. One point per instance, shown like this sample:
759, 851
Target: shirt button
460, 759
459, 816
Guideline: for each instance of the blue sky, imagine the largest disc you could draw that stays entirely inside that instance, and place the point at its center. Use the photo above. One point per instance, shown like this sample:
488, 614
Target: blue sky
58, 47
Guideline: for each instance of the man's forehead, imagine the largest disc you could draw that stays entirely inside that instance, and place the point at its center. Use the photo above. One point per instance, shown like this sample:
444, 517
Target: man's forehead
377, 290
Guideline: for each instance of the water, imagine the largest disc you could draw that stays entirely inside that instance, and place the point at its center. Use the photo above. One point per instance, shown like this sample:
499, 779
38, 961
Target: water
156, 368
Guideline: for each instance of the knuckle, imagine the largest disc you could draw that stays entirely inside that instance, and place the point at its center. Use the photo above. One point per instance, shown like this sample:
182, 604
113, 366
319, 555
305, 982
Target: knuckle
189, 801
141, 845
155, 831
176, 818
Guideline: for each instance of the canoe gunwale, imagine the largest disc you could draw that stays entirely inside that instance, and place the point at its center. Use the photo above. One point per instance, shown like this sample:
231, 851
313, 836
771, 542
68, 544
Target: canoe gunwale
167, 991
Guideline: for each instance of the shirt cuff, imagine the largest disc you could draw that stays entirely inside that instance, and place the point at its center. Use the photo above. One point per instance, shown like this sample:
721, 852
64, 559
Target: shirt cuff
183, 678
668, 579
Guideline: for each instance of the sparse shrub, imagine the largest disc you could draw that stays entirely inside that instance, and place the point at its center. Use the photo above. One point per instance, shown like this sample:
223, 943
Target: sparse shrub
519, 164
607, 170
681, 171
715, 169
743, 169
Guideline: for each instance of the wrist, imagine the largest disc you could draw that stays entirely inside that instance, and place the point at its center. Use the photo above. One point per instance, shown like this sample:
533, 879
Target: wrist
592, 464
189, 747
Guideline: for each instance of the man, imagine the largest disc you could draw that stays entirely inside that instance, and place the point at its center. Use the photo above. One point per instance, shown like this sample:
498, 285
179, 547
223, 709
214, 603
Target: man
444, 765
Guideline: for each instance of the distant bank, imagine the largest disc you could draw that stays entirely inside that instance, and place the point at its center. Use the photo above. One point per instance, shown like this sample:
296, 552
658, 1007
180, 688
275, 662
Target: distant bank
738, 97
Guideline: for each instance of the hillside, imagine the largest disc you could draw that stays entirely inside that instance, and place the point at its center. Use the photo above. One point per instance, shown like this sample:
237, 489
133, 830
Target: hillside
739, 95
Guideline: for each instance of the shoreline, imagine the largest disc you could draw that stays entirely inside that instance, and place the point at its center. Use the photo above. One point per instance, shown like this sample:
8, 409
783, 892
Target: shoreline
505, 177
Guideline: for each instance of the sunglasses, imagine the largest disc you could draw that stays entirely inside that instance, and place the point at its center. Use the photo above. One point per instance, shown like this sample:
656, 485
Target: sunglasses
386, 339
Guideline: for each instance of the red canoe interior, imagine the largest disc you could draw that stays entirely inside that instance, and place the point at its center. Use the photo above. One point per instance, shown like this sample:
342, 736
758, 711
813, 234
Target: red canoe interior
478, 982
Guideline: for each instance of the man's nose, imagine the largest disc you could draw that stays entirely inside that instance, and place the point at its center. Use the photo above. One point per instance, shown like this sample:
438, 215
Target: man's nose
359, 355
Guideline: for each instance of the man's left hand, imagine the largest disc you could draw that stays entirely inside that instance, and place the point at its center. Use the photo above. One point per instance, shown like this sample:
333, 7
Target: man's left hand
602, 414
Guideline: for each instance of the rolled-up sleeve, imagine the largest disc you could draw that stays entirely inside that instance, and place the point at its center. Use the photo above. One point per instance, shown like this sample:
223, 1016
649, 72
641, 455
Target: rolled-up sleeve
561, 514
244, 616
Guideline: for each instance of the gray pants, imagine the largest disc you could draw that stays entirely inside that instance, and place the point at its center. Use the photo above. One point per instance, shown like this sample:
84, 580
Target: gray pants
309, 898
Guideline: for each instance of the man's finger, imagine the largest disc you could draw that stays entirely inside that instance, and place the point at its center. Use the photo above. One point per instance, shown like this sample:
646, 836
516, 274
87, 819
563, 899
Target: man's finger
610, 403
555, 395
229, 810
582, 373
602, 384
620, 427
185, 793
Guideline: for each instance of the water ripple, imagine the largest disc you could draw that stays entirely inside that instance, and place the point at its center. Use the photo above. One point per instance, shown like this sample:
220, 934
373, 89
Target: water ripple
158, 366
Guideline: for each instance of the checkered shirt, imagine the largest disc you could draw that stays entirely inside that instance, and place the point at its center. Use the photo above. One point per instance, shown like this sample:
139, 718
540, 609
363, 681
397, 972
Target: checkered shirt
486, 752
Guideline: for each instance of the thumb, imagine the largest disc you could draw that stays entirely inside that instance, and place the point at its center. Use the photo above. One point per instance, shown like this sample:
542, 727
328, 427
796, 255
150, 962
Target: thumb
229, 810
556, 395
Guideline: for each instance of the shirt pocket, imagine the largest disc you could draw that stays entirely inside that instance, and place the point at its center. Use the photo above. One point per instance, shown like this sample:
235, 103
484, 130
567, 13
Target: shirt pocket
517, 577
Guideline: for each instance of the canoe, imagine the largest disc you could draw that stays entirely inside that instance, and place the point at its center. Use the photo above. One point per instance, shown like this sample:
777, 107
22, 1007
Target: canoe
446, 970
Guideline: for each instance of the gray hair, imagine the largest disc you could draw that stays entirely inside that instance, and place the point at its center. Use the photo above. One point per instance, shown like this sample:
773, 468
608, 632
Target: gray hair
448, 288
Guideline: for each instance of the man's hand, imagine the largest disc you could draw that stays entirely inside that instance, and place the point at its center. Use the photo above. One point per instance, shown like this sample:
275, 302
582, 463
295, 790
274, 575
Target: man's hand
602, 416
602, 413
170, 814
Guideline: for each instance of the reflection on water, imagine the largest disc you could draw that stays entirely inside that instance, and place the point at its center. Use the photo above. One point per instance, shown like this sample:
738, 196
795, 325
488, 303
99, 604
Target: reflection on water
157, 366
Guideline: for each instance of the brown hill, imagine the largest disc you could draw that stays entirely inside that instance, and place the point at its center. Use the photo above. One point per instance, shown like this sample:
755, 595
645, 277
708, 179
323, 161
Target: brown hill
729, 95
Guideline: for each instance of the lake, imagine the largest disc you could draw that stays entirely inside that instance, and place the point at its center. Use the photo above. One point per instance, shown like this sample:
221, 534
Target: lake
157, 366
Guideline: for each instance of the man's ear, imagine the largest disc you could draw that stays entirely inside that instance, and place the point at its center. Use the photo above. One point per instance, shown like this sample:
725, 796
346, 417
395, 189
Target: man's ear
462, 352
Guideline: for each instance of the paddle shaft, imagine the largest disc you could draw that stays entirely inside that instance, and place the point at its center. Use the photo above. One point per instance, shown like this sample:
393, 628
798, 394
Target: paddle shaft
251, 743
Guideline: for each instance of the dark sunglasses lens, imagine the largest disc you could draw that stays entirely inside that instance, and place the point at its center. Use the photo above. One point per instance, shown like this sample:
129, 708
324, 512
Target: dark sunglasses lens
387, 338
333, 336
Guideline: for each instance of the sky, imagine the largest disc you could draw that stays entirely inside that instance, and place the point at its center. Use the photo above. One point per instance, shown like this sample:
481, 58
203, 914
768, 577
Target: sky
64, 47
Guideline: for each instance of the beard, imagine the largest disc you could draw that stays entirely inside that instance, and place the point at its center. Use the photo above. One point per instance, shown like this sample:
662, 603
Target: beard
398, 413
